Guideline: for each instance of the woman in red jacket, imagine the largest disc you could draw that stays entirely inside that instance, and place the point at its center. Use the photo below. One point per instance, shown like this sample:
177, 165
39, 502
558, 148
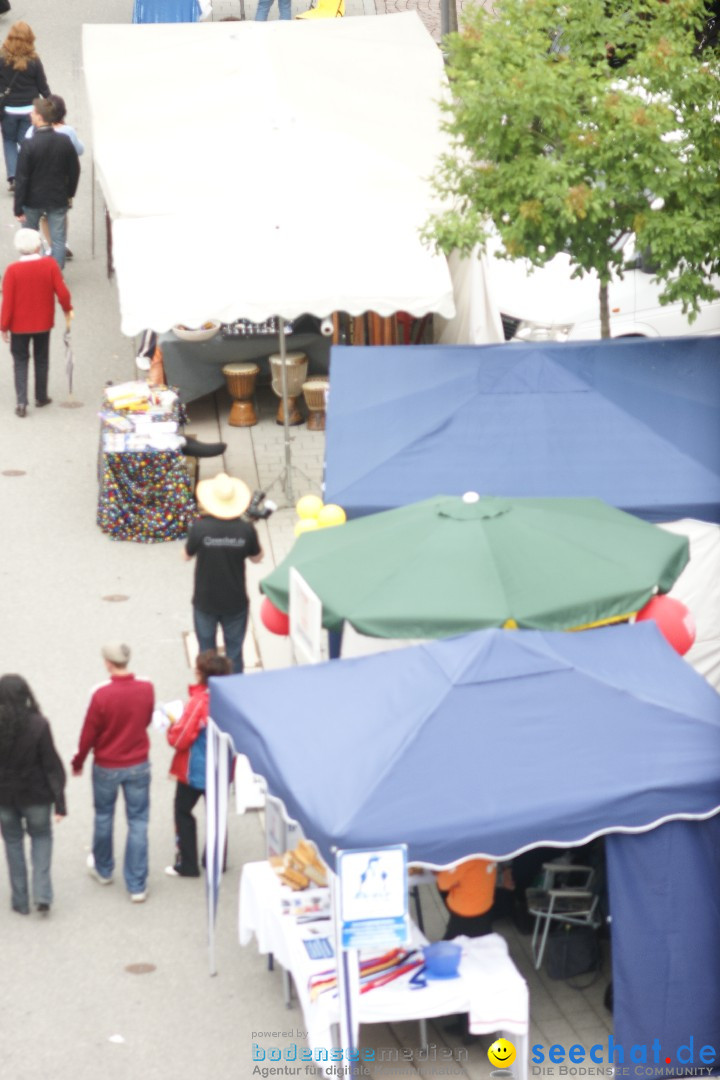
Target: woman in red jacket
189, 737
29, 288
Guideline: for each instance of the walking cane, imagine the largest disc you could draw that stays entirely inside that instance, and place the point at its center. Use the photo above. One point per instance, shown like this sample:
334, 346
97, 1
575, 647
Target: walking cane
71, 403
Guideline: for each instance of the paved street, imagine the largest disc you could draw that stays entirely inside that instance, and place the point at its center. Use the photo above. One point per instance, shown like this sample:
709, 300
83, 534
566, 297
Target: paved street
73, 1008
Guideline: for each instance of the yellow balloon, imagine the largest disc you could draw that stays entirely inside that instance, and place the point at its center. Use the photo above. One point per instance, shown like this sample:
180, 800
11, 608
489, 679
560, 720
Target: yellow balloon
309, 506
330, 515
306, 525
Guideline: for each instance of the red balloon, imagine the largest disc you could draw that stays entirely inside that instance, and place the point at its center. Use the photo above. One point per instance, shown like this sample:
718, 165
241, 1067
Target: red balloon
274, 620
673, 619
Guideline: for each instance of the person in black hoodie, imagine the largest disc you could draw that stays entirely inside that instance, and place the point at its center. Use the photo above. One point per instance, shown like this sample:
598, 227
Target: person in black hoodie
32, 778
46, 178
22, 79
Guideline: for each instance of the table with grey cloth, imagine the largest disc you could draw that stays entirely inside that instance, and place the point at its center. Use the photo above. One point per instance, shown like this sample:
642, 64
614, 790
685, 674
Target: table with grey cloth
195, 369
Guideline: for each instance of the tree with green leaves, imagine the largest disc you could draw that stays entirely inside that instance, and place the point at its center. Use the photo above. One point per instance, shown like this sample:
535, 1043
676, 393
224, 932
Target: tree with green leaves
573, 125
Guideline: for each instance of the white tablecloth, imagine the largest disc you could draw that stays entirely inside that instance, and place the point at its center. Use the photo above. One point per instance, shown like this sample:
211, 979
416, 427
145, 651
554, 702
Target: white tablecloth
489, 987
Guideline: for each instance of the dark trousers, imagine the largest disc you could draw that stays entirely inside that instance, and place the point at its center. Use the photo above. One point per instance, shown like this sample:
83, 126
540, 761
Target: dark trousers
186, 855
20, 349
186, 858
469, 925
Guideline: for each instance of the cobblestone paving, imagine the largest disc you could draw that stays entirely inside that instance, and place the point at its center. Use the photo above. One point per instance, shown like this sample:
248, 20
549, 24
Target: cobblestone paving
428, 10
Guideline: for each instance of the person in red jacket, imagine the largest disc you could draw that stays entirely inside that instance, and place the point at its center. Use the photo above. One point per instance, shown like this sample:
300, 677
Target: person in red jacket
189, 737
115, 729
29, 288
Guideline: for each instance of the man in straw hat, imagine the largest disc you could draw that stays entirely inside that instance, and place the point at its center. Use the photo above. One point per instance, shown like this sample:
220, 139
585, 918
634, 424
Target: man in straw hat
222, 540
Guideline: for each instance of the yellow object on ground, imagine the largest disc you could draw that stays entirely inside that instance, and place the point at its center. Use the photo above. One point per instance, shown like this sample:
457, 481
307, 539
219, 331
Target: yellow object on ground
325, 9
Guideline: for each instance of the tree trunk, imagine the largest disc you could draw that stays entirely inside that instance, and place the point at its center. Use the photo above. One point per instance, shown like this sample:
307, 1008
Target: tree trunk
453, 17
604, 311
448, 17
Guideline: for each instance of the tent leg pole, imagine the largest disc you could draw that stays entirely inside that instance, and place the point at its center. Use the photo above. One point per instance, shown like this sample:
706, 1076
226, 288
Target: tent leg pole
212, 811
92, 211
286, 420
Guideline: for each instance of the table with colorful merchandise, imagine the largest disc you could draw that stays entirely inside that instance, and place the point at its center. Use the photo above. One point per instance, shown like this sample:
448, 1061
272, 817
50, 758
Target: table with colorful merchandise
146, 492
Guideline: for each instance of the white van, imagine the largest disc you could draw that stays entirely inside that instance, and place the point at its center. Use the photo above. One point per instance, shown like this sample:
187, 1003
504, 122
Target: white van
547, 304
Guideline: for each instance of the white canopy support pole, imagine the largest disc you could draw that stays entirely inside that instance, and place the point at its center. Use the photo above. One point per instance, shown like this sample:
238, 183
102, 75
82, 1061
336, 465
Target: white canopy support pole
92, 210
211, 814
289, 495
216, 809
348, 975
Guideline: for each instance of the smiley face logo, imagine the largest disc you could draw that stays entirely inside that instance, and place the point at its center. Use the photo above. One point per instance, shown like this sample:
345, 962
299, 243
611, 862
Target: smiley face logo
501, 1053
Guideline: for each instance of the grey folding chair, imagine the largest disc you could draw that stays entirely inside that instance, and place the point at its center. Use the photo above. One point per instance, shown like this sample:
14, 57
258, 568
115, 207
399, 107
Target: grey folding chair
567, 895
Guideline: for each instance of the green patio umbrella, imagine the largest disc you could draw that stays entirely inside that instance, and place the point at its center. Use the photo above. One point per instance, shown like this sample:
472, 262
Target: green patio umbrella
452, 564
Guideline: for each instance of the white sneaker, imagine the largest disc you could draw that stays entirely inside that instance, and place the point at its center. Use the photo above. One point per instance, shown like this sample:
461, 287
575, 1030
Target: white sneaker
139, 897
93, 872
171, 871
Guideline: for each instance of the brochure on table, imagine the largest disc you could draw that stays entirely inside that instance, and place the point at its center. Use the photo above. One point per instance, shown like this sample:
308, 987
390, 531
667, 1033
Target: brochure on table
137, 418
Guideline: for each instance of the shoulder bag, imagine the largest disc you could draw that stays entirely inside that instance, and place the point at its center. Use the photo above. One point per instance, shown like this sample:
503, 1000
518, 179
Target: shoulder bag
572, 951
5, 93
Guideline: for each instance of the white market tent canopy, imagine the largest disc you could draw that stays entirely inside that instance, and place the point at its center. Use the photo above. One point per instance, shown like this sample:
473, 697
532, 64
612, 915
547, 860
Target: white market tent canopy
254, 169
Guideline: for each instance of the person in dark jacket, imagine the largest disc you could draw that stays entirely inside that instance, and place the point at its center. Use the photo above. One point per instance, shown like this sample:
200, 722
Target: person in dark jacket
32, 778
189, 737
46, 178
22, 79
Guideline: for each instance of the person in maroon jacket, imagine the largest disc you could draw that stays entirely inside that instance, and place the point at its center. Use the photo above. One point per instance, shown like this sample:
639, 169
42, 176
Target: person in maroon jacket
115, 729
29, 288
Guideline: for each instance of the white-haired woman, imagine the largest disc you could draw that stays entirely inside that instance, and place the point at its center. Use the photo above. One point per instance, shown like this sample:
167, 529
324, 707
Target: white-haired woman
29, 288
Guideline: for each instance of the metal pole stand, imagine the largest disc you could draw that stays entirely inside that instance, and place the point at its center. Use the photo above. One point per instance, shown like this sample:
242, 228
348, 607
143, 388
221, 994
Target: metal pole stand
285, 476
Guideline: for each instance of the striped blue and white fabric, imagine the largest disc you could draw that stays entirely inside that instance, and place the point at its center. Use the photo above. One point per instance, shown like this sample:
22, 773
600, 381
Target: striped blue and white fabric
158, 11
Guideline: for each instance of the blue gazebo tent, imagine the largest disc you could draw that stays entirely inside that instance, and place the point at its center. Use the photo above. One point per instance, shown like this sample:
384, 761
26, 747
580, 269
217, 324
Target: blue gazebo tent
633, 422
497, 742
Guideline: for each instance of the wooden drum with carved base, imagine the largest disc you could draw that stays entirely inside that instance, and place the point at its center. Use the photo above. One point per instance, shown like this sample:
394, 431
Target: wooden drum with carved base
240, 380
315, 394
296, 365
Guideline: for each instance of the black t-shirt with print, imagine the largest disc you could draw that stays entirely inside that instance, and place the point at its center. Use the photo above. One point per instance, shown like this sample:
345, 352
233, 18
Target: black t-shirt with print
221, 548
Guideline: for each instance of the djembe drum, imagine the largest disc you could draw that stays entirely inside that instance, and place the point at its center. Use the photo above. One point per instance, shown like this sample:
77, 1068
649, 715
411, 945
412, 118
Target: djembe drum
296, 365
240, 380
314, 392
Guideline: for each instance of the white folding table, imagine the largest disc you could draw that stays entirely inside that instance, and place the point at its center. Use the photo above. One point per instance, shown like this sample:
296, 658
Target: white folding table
488, 987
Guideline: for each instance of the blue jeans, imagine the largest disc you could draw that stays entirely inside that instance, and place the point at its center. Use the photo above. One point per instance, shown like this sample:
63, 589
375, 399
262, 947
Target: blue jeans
36, 820
233, 627
57, 224
135, 783
263, 9
14, 127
